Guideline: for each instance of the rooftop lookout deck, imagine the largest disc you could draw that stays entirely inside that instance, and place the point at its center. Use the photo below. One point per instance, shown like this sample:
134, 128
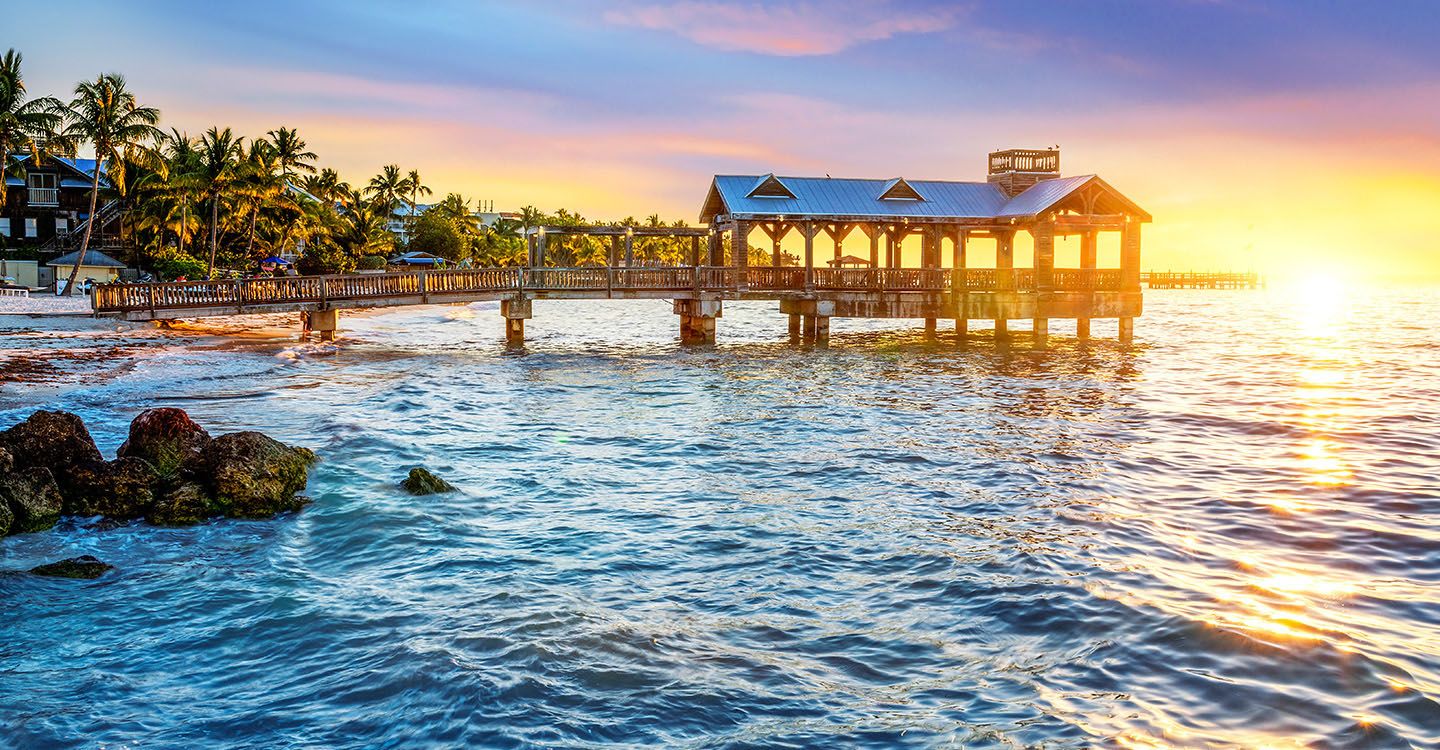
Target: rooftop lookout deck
922, 237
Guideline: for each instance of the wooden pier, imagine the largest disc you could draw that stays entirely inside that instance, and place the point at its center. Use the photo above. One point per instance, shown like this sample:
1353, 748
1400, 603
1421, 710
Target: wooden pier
1024, 193
1201, 280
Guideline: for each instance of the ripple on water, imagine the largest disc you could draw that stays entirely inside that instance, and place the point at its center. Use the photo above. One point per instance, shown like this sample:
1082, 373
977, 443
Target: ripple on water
1217, 538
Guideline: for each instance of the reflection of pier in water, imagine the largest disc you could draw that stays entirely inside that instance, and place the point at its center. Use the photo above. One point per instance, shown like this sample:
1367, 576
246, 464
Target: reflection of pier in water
1201, 280
1023, 193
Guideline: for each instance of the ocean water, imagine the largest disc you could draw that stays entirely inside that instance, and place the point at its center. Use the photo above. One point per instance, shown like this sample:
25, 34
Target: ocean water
1223, 536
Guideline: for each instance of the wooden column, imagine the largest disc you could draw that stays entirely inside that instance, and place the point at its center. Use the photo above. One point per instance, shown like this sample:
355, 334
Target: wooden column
776, 235
959, 288
694, 250
890, 242
1044, 236
540, 250
873, 232
531, 244
1004, 274
629, 250
1088, 247
809, 229
837, 235
740, 247
614, 250
1129, 271
930, 258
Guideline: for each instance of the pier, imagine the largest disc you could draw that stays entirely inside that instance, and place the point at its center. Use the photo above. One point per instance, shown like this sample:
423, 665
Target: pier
1201, 280
1023, 194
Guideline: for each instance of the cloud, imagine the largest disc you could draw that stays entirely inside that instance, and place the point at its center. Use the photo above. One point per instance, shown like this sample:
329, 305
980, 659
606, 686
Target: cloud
788, 29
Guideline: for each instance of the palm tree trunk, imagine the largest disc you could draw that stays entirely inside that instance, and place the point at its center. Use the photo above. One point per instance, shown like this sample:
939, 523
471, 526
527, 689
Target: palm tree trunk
214, 228
89, 227
184, 223
250, 241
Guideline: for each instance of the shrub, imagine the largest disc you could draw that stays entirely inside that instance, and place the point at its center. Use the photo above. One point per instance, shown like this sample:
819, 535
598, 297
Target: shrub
371, 263
170, 263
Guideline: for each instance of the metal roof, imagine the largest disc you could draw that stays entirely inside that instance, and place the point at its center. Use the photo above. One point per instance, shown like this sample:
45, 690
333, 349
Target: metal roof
825, 197
1042, 195
92, 258
84, 167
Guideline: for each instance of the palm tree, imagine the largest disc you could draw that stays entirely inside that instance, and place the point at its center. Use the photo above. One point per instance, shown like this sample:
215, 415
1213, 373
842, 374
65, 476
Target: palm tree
219, 155
25, 125
106, 115
290, 152
324, 186
180, 183
260, 182
417, 189
387, 188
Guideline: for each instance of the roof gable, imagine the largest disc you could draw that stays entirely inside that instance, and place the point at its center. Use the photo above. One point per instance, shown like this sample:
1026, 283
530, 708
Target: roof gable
843, 197
1082, 193
900, 190
770, 186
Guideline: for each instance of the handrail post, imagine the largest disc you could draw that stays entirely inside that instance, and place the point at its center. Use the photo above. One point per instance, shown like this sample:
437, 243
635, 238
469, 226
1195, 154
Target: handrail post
324, 287
424, 292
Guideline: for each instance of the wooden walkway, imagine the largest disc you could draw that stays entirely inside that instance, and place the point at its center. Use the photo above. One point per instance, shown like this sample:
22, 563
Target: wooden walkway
809, 296
231, 297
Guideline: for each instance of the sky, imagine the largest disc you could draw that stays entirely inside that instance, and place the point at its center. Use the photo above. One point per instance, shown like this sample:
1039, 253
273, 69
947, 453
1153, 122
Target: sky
1286, 136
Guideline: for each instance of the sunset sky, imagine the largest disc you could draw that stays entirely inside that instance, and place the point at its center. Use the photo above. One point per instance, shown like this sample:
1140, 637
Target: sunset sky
1259, 133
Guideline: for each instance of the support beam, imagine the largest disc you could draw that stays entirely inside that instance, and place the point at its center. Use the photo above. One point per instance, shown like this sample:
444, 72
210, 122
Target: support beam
1044, 236
794, 327
1089, 242
809, 229
324, 323
1129, 272
694, 251
961, 290
873, 232
697, 320
516, 311
629, 250
740, 247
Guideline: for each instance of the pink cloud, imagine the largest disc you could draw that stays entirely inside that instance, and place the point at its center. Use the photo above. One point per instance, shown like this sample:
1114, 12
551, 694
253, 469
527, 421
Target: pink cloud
787, 29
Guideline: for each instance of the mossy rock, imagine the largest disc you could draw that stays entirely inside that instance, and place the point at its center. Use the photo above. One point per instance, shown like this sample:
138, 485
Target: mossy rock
33, 499
55, 440
7, 461
7, 518
167, 438
184, 505
251, 475
121, 489
83, 567
422, 482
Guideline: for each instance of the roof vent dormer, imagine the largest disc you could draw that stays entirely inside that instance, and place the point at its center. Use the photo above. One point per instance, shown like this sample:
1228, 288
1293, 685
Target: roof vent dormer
900, 190
770, 186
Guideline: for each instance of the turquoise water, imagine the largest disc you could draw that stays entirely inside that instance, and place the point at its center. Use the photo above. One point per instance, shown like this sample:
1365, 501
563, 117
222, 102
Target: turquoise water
1224, 536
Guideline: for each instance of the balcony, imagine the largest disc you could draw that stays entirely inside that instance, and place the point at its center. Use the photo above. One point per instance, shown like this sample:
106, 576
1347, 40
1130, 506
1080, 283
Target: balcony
44, 196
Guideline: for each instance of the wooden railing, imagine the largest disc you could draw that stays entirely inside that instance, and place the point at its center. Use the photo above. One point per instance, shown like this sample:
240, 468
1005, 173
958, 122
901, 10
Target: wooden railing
426, 285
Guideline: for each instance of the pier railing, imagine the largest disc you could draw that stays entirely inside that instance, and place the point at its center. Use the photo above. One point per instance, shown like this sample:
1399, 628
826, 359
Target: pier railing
423, 286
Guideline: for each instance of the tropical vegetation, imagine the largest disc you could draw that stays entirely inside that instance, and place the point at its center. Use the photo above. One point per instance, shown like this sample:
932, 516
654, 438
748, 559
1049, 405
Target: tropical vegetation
197, 206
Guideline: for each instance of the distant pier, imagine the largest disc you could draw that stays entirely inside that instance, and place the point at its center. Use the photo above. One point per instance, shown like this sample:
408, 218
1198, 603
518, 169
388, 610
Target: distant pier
1201, 280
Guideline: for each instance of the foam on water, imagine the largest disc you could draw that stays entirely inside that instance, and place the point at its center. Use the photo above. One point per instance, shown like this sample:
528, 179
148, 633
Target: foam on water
1224, 536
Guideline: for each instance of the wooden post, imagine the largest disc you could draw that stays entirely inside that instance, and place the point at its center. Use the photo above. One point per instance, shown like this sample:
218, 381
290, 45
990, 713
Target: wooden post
515, 311
809, 229
694, 250
960, 289
873, 232
930, 259
1088, 245
1129, 271
890, 250
1004, 275
794, 327
629, 249
740, 248
614, 250
776, 234
1044, 236
540, 250
838, 236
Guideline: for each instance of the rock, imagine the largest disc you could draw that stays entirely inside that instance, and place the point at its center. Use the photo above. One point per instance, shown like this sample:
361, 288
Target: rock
254, 476
7, 462
167, 438
7, 517
184, 505
33, 498
83, 566
121, 489
55, 440
422, 482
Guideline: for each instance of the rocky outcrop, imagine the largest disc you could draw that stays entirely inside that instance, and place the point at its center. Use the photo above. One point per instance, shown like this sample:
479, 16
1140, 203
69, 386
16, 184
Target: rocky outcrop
167, 438
185, 504
169, 472
55, 440
421, 482
33, 499
254, 476
121, 489
84, 566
